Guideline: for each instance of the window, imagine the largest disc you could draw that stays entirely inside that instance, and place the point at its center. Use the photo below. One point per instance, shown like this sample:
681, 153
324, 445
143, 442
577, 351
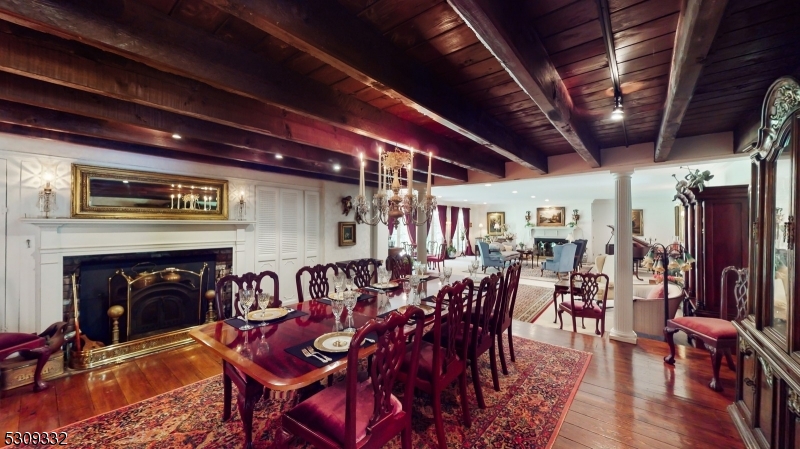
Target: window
457, 241
436, 235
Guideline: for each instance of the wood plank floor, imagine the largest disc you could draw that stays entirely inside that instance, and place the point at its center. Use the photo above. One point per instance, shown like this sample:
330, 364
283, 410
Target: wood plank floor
628, 397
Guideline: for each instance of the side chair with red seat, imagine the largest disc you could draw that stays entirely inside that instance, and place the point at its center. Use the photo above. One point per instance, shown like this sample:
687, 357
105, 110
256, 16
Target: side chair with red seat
481, 336
504, 310
439, 257
718, 335
363, 415
443, 360
589, 303
32, 346
247, 388
360, 272
399, 266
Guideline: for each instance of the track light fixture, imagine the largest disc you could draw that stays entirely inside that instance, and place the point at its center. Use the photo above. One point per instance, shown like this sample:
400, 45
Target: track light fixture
617, 113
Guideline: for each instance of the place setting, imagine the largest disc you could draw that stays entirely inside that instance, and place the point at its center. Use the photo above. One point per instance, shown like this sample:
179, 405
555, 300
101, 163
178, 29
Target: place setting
263, 315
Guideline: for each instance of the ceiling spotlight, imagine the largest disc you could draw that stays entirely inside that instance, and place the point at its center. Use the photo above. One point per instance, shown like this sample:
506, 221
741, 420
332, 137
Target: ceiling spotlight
278, 156
176, 136
617, 113
488, 185
547, 200
439, 196
484, 203
465, 200
125, 181
513, 191
533, 196
337, 167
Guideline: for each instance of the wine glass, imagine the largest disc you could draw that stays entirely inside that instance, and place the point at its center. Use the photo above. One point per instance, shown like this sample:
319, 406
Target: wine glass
337, 306
471, 269
263, 303
350, 303
474, 265
338, 283
442, 278
406, 288
351, 284
415, 280
448, 271
246, 298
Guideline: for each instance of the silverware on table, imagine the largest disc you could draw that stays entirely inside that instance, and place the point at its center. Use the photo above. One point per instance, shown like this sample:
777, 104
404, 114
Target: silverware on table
311, 352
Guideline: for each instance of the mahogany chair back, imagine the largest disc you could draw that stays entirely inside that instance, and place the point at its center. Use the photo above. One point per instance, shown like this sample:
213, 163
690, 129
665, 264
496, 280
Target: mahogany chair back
247, 280
458, 297
589, 303
504, 311
361, 274
318, 285
739, 292
485, 303
399, 266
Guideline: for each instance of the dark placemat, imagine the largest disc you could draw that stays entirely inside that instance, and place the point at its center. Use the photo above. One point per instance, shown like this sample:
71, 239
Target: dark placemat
297, 351
237, 323
429, 300
362, 297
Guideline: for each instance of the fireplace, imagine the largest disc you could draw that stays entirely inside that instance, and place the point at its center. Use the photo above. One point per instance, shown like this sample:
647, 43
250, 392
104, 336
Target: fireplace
154, 292
545, 245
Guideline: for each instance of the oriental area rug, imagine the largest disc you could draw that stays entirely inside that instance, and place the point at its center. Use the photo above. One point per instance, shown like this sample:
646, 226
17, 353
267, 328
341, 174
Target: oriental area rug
526, 413
531, 302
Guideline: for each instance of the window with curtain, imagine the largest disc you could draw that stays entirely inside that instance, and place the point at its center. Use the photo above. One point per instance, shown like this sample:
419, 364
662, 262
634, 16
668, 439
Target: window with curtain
457, 242
401, 236
436, 235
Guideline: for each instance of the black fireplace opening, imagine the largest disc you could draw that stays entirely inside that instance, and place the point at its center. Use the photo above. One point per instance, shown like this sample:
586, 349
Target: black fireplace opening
158, 292
545, 245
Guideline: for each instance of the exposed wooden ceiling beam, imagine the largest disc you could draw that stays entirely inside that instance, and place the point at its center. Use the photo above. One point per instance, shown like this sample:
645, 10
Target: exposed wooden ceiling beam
330, 33
31, 116
142, 34
65, 63
697, 26
513, 41
40, 94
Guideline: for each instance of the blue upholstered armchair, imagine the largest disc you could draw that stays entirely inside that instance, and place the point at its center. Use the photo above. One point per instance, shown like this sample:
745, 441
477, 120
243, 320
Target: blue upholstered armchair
563, 259
489, 259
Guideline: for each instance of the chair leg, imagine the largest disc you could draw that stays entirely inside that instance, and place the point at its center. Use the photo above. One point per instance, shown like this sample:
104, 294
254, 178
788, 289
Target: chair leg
574, 323
246, 401
511, 346
42, 355
729, 359
669, 334
716, 361
493, 363
282, 438
561, 319
555, 305
405, 437
437, 418
226, 395
582, 323
476, 382
502, 354
462, 386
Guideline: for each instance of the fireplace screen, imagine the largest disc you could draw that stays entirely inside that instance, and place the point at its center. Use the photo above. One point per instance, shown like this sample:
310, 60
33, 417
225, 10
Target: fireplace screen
157, 301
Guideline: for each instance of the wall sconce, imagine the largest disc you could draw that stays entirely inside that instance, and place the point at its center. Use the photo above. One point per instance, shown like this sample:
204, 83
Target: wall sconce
241, 206
47, 196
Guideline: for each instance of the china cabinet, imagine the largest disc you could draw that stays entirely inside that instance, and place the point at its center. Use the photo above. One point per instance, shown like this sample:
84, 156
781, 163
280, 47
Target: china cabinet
767, 407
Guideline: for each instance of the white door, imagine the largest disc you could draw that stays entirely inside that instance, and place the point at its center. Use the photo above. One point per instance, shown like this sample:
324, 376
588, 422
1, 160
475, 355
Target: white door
311, 217
291, 243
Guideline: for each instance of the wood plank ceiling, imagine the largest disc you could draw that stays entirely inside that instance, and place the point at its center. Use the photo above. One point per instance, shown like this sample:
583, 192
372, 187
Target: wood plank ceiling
245, 81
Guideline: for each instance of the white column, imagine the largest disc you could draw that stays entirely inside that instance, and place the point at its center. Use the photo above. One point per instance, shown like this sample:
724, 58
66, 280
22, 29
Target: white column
422, 240
623, 269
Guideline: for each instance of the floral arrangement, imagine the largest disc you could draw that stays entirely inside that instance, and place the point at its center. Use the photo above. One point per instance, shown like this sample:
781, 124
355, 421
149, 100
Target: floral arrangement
679, 280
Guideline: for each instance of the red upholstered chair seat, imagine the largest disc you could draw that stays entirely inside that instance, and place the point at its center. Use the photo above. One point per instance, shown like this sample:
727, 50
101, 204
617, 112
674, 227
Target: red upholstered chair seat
325, 411
11, 342
425, 368
579, 307
712, 327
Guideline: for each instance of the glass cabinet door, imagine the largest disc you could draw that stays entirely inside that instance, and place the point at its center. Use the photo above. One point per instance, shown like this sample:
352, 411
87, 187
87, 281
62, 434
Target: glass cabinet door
782, 260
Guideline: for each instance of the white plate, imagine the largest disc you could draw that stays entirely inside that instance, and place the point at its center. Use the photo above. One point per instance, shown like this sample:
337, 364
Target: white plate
427, 310
334, 342
336, 296
388, 285
267, 314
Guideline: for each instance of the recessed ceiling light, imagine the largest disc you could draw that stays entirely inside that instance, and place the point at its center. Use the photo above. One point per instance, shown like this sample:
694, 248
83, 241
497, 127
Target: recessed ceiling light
278, 156
547, 200
533, 196
484, 203
488, 185
125, 181
513, 191
336, 167
176, 136
465, 200
439, 196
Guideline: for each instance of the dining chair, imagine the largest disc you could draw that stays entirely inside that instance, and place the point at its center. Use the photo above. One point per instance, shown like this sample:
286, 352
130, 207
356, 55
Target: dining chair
353, 414
399, 266
359, 270
438, 256
504, 311
230, 374
589, 304
443, 360
481, 336
319, 284
718, 335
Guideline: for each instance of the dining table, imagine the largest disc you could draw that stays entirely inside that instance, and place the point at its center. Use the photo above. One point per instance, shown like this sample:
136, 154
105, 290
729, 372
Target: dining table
270, 355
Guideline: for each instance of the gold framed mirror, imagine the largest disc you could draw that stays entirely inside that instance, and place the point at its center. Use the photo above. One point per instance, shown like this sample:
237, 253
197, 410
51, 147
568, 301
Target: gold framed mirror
114, 193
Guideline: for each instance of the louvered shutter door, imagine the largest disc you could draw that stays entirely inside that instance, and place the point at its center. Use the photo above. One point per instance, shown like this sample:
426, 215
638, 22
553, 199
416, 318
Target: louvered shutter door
267, 229
291, 241
311, 217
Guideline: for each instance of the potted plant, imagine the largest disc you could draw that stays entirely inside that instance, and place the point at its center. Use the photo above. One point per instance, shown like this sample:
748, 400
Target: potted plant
451, 250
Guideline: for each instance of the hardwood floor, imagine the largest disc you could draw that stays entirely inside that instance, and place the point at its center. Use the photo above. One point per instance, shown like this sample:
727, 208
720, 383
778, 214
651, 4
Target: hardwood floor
628, 397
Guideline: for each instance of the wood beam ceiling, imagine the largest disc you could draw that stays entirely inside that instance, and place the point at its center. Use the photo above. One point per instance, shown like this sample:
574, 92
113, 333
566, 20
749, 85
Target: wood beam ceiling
330, 33
139, 33
503, 30
697, 27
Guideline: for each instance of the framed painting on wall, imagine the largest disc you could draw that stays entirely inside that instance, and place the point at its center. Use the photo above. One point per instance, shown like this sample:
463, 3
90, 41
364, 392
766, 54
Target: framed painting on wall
637, 222
551, 216
495, 222
347, 233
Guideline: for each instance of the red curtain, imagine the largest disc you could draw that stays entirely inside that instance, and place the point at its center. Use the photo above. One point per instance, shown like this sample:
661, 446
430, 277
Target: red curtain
443, 221
391, 226
468, 249
453, 221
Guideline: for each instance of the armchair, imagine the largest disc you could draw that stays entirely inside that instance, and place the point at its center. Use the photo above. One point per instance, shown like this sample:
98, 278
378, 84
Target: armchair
579, 253
563, 259
490, 259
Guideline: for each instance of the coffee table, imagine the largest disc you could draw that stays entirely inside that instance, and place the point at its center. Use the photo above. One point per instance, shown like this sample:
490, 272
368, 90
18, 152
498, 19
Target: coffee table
527, 253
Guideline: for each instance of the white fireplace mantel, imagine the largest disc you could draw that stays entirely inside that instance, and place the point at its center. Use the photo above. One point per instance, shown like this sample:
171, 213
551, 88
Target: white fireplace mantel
65, 237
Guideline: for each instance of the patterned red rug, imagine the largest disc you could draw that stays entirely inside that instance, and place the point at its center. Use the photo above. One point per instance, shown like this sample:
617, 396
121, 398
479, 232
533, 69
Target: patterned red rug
526, 412
531, 302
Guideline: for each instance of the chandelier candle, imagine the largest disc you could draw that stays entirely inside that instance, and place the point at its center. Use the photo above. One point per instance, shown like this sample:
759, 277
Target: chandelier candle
430, 159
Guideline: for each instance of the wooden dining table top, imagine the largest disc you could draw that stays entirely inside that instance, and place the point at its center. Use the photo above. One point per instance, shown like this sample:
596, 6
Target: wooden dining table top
260, 352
